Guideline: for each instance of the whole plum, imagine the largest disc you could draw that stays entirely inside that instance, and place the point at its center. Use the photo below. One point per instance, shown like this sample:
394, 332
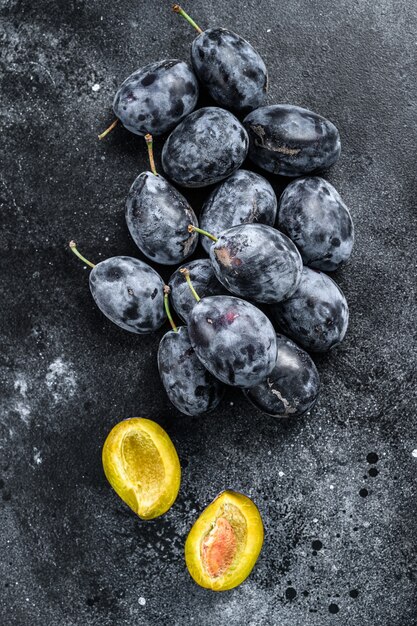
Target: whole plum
257, 262
157, 216
233, 339
292, 387
243, 198
204, 282
315, 218
189, 386
316, 316
156, 97
291, 141
207, 146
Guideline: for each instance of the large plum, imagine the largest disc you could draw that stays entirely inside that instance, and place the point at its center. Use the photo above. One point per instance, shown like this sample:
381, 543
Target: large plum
156, 97
157, 216
243, 198
316, 316
292, 387
189, 386
207, 146
314, 216
228, 66
257, 262
204, 282
129, 292
233, 339
291, 141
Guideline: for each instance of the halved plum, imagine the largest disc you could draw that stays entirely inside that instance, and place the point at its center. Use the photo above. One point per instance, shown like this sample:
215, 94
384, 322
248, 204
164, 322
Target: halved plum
141, 464
223, 545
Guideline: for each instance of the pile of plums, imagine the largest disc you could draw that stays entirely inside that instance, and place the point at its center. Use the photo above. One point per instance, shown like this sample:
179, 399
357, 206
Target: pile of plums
260, 252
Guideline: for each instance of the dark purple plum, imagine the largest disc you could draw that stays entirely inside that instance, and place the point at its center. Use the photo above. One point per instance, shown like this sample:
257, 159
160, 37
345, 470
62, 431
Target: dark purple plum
157, 216
156, 97
189, 386
257, 262
244, 198
315, 218
292, 387
204, 282
232, 71
233, 339
129, 292
291, 141
317, 315
206, 147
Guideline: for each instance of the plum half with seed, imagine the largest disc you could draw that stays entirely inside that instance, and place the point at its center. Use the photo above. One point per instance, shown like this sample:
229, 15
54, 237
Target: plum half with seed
291, 141
292, 387
129, 292
156, 97
232, 71
157, 216
204, 281
206, 147
315, 218
257, 262
317, 315
233, 339
243, 198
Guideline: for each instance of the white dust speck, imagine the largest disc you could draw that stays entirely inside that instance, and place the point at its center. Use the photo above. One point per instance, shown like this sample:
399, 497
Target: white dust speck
60, 380
331, 487
95, 87
21, 405
268, 30
142, 601
281, 474
37, 456
232, 403
106, 238
414, 453
269, 452
315, 520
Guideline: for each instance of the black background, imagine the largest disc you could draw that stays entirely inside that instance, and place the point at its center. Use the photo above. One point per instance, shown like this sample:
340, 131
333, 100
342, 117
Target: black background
71, 551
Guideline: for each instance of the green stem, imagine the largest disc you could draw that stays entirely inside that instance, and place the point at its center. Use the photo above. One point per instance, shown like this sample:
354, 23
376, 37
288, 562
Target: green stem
177, 9
194, 229
109, 129
186, 274
73, 247
167, 291
149, 143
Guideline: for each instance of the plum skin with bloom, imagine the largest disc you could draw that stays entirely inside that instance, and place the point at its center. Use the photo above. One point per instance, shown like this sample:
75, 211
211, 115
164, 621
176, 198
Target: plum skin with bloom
130, 293
233, 339
292, 388
189, 386
156, 97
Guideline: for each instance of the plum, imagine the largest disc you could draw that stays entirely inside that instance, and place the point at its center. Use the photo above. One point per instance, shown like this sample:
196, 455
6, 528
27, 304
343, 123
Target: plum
315, 218
243, 198
292, 387
129, 292
316, 316
156, 97
233, 339
204, 281
291, 141
207, 146
232, 71
157, 216
189, 386
257, 262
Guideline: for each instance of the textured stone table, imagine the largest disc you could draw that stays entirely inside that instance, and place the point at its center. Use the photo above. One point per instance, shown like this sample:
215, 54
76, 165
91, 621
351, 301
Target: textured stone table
336, 488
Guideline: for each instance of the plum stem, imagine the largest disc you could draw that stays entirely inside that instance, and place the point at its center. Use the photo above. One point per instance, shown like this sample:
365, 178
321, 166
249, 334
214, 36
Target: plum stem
194, 229
186, 273
177, 9
73, 247
109, 129
167, 291
149, 143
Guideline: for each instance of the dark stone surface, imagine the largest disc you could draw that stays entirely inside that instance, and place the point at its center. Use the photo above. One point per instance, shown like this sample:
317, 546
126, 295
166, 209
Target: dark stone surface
336, 488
